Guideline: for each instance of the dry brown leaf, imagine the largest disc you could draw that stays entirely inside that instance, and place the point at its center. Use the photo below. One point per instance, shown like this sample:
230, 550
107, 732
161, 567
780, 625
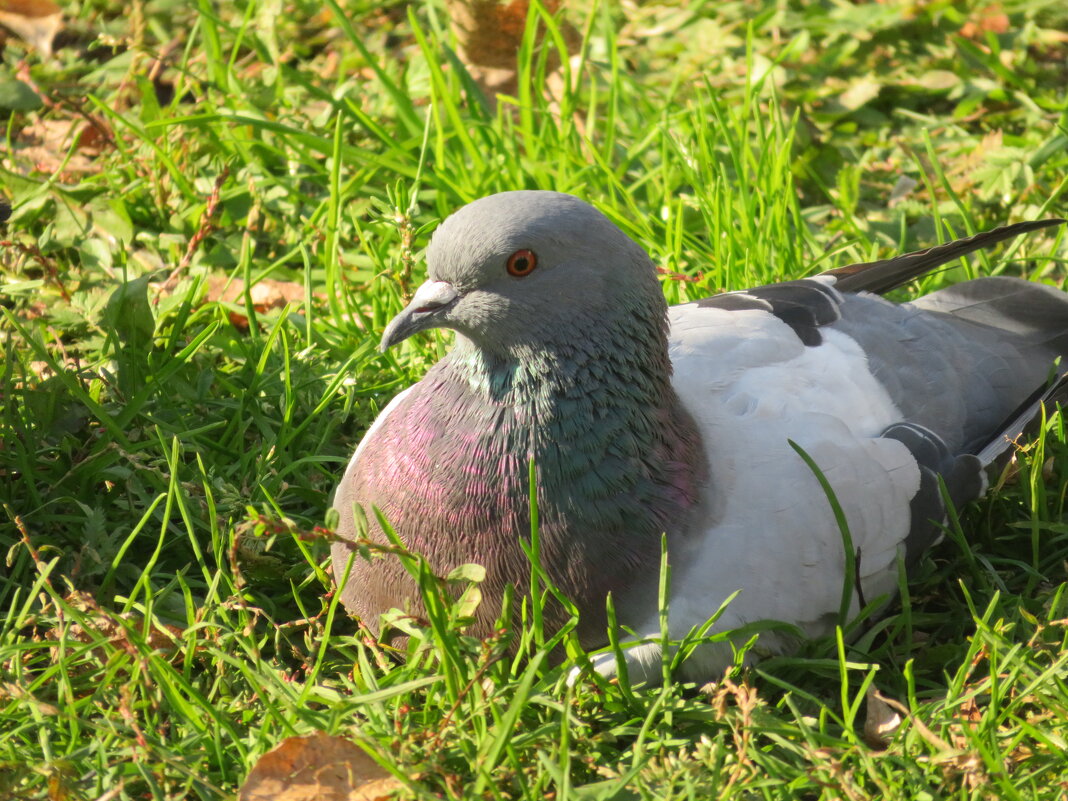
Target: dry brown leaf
880, 720
991, 18
60, 134
318, 767
46, 142
489, 34
266, 294
34, 21
969, 714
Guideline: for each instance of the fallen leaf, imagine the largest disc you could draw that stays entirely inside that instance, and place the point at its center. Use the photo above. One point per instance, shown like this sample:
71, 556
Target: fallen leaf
880, 720
318, 767
34, 21
266, 294
969, 714
45, 145
489, 34
991, 18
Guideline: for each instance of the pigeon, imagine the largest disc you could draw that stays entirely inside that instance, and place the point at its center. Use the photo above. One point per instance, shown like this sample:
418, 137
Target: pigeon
724, 429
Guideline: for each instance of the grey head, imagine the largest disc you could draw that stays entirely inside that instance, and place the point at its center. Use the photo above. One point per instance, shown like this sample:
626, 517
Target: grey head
509, 270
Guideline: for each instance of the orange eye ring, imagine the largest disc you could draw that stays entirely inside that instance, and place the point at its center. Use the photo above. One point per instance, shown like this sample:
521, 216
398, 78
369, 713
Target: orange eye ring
522, 263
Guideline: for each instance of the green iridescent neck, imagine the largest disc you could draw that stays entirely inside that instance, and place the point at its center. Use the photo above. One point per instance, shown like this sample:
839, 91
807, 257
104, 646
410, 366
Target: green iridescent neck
625, 365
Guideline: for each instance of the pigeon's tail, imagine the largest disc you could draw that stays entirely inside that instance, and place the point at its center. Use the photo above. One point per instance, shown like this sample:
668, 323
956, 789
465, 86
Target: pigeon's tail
1023, 424
882, 276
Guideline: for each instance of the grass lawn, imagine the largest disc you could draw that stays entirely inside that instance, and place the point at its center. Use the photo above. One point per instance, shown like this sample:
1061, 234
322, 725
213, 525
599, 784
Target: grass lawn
215, 209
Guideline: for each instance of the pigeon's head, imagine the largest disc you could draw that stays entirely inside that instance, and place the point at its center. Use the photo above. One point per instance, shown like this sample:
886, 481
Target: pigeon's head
522, 268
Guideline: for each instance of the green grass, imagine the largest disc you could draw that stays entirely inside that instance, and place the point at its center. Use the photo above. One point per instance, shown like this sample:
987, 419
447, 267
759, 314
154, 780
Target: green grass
164, 473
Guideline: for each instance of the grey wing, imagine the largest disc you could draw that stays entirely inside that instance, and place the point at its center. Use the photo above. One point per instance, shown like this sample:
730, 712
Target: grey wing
968, 367
962, 361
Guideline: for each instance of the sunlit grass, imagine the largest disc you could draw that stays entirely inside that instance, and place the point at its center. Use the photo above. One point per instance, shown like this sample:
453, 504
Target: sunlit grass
166, 455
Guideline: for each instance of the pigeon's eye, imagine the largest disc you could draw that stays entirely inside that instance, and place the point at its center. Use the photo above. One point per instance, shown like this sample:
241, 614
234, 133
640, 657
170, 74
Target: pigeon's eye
522, 262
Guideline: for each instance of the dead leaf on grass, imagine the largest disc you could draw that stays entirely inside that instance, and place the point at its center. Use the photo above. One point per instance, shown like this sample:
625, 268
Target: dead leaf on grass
34, 21
968, 716
265, 295
489, 34
46, 143
955, 762
988, 19
318, 767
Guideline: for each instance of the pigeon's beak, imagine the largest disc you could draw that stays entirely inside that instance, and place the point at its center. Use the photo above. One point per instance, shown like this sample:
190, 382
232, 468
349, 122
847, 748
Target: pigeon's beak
422, 313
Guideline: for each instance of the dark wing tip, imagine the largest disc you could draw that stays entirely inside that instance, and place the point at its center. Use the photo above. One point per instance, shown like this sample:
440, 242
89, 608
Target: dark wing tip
887, 274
